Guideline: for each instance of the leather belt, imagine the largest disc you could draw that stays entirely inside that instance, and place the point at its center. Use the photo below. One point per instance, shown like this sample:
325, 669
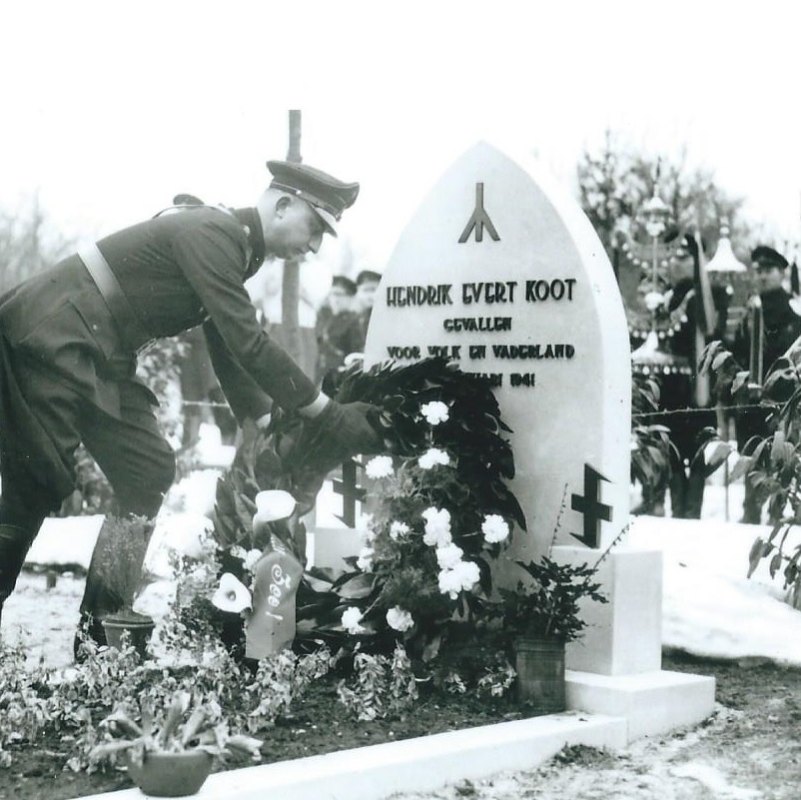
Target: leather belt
131, 332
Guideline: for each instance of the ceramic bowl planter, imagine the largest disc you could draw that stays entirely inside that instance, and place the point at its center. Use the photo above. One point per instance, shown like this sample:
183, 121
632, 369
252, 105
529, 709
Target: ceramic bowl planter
139, 626
171, 774
540, 667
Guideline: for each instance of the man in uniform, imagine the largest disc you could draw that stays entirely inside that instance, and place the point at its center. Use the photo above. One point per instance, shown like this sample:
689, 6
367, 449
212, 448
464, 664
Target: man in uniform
366, 286
69, 338
336, 335
780, 326
691, 331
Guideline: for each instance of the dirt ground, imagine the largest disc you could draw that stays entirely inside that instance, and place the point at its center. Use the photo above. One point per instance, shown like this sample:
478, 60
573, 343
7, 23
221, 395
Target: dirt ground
748, 750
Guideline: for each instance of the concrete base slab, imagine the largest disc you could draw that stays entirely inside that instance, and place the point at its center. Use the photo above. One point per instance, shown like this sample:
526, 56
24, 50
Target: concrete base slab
652, 703
423, 764
623, 636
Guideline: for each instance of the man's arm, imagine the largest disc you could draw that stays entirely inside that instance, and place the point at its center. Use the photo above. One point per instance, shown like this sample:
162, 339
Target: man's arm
212, 257
244, 395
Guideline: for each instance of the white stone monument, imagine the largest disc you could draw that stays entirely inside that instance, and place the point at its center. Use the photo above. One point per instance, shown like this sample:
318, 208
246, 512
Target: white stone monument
501, 272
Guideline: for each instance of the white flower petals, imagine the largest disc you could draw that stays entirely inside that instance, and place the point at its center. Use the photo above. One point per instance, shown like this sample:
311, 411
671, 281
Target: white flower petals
232, 595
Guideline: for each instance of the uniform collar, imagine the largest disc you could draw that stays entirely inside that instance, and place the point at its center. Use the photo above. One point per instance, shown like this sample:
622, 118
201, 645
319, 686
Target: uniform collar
249, 217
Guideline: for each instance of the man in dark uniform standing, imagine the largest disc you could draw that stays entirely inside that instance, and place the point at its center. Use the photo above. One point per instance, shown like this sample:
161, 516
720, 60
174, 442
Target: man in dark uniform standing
779, 325
69, 338
336, 335
366, 286
680, 387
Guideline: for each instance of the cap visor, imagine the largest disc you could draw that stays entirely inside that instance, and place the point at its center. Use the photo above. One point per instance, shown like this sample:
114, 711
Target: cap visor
328, 220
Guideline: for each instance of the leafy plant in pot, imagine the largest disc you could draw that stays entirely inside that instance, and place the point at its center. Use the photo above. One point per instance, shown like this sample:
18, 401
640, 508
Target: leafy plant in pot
539, 618
171, 754
120, 568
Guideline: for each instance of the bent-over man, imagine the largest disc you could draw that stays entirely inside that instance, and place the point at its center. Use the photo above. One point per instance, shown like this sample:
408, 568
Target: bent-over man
69, 338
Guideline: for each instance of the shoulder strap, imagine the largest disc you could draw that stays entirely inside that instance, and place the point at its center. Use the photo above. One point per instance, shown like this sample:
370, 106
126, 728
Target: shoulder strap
130, 328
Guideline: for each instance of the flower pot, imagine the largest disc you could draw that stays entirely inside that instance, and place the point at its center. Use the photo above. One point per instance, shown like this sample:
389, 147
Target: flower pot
540, 666
139, 626
171, 774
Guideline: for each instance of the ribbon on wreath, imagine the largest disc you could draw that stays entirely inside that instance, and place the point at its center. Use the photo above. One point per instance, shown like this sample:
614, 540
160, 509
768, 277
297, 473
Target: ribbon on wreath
271, 626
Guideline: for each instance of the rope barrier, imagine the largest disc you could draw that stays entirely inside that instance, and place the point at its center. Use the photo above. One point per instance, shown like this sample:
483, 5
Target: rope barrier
691, 411
643, 415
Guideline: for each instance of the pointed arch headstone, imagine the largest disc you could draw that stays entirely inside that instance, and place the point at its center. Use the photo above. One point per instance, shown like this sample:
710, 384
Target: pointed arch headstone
501, 272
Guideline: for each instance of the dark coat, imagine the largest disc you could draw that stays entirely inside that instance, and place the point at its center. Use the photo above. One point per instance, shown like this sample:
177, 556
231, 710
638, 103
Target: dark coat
178, 270
782, 326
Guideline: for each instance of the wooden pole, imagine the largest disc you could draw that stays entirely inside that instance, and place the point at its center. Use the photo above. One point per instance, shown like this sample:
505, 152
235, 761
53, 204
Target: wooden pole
290, 288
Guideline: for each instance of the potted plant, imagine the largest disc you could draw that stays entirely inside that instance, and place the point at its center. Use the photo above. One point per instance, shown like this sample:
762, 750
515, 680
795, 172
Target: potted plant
119, 566
171, 754
539, 618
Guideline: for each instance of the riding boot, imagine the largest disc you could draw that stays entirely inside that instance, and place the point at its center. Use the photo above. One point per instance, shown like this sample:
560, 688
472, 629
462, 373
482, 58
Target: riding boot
694, 497
100, 599
14, 545
678, 493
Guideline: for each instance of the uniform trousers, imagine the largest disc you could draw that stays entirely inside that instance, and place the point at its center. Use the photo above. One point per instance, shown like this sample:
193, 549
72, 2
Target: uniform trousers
129, 448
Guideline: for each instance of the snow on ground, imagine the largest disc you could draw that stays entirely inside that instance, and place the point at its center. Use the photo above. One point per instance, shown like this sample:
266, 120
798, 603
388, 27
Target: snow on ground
710, 607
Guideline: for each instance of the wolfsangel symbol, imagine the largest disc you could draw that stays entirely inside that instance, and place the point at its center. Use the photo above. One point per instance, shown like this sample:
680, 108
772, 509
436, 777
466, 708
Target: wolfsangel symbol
479, 220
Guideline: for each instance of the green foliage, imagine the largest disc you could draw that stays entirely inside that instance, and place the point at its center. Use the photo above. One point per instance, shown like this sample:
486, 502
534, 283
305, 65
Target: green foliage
396, 574
653, 455
114, 685
280, 680
183, 723
547, 606
383, 686
474, 428
771, 463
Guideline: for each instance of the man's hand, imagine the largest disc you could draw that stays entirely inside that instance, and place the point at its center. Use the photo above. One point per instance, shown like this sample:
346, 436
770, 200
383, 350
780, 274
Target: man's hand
347, 427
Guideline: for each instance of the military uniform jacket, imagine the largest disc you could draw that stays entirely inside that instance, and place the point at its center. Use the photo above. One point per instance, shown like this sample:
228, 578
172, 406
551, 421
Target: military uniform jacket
177, 271
782, 326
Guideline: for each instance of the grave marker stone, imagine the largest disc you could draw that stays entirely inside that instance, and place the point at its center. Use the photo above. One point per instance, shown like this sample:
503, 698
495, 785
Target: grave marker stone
501, 274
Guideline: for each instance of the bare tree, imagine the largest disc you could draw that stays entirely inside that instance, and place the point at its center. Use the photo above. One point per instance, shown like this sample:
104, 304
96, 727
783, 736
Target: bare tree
614, 183
28, 242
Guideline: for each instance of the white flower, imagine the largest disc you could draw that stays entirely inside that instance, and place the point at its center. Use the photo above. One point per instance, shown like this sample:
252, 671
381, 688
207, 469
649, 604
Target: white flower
367, 535
252, 557
398, 619
432, 457
397, 530
449, 583
351, 619
438, 527
232, 595
272, 505
464, 576
495, 528
434, 412
365, 560
248, 557
379, 467
449, 556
